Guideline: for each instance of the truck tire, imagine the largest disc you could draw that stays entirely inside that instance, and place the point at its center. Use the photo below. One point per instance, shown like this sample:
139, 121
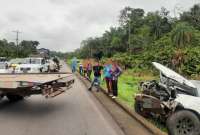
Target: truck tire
14, 98
1, 96
138, 109
183, 122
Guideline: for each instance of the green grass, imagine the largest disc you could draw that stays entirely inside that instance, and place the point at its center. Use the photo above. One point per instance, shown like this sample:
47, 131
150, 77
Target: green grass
128, 85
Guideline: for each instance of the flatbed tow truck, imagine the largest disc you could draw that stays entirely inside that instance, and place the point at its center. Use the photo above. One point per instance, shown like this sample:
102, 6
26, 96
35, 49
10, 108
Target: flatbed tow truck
17, 86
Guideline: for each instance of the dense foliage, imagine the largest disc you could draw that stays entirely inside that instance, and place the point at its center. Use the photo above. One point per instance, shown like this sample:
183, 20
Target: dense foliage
11, 50
145, 37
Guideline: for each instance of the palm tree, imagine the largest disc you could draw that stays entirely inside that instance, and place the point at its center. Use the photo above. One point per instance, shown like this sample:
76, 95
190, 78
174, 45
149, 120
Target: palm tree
182, 34
157, 29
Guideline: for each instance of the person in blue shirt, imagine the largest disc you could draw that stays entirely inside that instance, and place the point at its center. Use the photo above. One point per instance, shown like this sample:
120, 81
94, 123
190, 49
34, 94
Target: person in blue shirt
74, 64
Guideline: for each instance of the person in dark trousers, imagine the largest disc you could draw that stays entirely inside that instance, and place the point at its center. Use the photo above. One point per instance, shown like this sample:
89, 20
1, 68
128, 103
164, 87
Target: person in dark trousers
81, 69
97, 76
116, 72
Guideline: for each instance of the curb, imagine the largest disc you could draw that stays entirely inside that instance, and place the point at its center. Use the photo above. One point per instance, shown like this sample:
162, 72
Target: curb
127, 109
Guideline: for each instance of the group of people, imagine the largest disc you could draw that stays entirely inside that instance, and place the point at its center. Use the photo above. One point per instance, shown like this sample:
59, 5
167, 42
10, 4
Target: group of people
85, 69
111, 71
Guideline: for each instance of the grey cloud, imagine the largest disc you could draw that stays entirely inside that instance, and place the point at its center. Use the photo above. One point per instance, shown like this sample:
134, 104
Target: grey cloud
62, 24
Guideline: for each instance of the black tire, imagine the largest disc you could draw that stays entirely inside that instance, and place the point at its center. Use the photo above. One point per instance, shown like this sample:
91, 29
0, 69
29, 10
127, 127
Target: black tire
1, 96
14, 98
138, 108
183, 122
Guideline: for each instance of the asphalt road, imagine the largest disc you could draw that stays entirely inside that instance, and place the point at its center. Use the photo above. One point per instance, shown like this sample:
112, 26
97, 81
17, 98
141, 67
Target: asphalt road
75, 112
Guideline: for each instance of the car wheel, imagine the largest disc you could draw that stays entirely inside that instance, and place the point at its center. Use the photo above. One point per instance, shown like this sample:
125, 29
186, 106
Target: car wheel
138, 108
183, 123
41, 70
14, 98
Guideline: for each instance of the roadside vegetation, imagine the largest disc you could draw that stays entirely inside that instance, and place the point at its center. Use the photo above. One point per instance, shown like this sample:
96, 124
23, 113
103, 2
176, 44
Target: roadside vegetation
142, 38
152, 36
23, 49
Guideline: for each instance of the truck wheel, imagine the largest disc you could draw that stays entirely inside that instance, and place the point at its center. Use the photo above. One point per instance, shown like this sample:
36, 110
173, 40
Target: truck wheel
138, 108
1, 96
14, 98
183, 123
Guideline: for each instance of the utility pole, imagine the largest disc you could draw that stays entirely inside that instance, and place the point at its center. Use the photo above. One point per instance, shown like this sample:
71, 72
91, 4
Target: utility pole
17, 40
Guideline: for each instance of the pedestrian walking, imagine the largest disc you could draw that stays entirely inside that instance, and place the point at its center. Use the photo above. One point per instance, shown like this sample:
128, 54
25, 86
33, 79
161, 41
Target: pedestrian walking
108, 77
85, 67
97, 76
116, 72
81, 69
74, 64
89, 70
56, 61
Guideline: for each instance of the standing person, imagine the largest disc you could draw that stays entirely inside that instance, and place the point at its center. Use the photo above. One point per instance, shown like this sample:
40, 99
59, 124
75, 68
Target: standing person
97, 76
89, 70
85, 67
81, 69
116, 72
108, 78
74, 64
56, 61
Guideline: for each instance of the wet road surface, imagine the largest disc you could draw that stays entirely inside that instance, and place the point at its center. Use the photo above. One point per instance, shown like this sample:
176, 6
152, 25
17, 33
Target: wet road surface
75, 112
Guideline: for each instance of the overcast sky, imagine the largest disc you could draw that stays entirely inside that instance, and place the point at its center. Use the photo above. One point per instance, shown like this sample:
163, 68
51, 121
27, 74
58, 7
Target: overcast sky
61, 25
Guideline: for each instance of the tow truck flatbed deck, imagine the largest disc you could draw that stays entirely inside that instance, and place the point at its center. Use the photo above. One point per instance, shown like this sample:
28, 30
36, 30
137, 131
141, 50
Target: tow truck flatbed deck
35, 83
37, 78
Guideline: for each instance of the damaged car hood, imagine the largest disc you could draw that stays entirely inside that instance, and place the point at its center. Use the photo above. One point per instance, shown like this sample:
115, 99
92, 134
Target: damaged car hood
173, 75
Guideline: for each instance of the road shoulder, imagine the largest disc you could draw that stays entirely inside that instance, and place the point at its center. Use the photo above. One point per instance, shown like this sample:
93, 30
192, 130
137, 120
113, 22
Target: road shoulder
126, 122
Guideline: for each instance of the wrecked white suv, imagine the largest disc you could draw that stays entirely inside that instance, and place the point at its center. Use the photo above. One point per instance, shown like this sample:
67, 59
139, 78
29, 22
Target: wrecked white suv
173, 99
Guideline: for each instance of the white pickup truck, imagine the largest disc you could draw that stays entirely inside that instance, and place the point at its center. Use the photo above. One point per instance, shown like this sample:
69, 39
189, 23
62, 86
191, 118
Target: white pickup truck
32, 65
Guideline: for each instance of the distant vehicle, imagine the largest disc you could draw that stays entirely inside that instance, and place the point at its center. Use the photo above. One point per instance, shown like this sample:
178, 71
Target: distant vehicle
3, 59
173, 99
13, 63
32, 65
4, 68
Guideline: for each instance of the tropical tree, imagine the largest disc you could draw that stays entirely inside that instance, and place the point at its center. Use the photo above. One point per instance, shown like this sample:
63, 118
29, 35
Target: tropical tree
182, 34
158, 22
192, 16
